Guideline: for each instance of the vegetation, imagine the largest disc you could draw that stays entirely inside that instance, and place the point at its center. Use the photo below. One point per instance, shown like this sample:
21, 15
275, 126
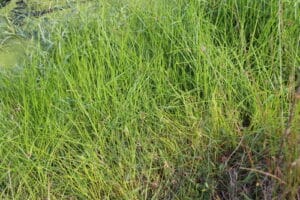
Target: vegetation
171, 99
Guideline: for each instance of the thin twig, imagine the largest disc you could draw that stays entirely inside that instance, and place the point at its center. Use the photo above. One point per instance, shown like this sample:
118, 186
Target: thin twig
295, 96
246, 149
235, 150
264, 173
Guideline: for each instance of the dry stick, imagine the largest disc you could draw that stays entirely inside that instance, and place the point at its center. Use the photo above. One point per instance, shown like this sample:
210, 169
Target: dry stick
287, 130
294, 94
280, 27
235, 150
245, 148
264, 173
249, 154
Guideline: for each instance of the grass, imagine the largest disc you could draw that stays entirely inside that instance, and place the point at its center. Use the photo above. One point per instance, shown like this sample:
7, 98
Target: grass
156, 100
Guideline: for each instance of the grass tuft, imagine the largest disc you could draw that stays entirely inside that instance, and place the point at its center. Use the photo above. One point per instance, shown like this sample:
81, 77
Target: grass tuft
155, 100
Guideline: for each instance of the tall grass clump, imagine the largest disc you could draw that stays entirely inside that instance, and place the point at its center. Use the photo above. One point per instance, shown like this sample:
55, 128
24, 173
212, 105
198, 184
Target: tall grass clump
156, 100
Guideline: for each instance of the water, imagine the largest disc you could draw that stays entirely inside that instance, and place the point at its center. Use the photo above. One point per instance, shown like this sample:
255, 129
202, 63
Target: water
12, 46
13, 53
17, 32
23, 24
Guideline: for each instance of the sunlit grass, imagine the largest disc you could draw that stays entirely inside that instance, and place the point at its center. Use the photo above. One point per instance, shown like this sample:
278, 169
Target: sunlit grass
154, 100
